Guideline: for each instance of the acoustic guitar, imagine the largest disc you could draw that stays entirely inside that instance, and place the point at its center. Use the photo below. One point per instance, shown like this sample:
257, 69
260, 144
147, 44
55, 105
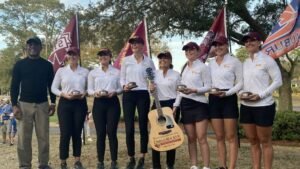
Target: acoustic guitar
165, 134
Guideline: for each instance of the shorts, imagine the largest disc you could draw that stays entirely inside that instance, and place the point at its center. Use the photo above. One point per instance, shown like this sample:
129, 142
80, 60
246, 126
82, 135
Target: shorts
193, 111
223, 107
261, 116
4, 127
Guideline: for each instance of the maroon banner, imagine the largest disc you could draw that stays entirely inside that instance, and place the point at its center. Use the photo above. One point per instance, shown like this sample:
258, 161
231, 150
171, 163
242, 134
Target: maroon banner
218, 28
68, 38
140, 31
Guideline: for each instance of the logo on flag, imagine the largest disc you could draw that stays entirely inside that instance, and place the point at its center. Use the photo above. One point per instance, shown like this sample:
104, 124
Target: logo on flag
285, 35
68, 38
141, 31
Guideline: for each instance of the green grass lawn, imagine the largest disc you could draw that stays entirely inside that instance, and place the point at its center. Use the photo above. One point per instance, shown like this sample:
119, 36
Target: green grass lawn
284, 157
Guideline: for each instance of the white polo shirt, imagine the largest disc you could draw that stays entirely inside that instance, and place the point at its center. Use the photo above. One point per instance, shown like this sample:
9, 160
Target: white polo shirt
227, 75
262, 76
108, 80
166, 85
131, 71
196, 76
66, 80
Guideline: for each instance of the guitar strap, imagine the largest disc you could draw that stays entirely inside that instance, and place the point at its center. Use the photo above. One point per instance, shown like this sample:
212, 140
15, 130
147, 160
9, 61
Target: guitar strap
184, 66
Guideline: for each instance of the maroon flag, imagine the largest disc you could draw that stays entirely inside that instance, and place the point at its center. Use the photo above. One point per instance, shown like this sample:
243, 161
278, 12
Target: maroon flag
217, 29
140, 31
68, 38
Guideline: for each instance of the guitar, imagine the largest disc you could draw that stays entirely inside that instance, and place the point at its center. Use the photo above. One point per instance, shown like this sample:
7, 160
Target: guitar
165, 134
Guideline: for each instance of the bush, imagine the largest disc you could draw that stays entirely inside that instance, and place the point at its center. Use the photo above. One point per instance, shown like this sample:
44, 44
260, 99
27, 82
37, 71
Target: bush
286, 126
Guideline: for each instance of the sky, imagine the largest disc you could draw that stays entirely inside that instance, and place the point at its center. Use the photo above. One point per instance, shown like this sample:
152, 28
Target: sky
175, 43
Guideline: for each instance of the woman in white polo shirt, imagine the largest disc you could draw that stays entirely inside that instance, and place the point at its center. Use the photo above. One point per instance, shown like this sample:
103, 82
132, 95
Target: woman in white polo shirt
194, 104
104, 85
261, 78
226, 74
70, 84
165, 84
133, 70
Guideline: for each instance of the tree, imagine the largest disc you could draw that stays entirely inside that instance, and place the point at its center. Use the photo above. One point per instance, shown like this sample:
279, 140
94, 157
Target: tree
187, 18
21, 19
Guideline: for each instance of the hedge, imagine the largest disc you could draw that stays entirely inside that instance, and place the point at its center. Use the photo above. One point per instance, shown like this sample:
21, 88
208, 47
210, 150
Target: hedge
286, 126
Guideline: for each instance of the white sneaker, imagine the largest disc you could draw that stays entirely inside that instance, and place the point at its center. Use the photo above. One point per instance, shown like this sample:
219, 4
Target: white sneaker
194, 167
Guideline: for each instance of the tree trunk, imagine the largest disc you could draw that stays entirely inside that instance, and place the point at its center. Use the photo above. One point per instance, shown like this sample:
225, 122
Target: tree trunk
285, 93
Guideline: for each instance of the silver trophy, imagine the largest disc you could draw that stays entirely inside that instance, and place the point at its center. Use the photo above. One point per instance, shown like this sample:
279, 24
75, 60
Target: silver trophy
131, 85
181, 87
103, 93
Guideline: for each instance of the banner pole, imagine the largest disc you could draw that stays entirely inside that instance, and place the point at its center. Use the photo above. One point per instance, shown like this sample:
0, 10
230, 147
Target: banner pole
77, 36
147, 36
227, 23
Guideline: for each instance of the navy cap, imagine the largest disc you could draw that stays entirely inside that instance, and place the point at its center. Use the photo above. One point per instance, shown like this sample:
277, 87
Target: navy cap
34, 39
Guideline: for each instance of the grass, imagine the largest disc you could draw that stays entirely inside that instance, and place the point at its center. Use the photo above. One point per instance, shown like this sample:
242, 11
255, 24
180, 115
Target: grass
285, 157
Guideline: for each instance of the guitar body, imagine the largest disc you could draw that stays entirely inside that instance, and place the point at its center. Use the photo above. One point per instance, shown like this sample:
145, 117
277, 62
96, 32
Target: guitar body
165, 134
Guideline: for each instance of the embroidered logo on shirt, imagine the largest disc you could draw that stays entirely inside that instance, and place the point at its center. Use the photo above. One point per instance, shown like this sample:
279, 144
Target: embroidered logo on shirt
227, 65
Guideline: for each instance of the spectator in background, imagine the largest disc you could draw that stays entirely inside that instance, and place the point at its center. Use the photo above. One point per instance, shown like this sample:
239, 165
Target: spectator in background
87, 127
12, 129
6, 111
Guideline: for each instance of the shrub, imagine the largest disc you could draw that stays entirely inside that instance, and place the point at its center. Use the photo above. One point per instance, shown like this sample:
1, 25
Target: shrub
286, 126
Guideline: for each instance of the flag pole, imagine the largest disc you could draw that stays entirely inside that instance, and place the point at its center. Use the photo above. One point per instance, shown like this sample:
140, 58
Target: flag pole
227, 23
147, 37
77, 36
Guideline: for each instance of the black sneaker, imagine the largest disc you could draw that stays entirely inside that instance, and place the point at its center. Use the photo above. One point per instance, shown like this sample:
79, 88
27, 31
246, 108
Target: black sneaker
222, 168
131, 163
170, 167
114, 165
140, 164
44, 167
100, 165
63, 166
78, 165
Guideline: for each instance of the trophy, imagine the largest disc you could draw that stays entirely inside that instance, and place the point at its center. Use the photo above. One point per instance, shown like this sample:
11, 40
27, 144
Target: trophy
75, 92
245, 95
181, 87
103, 93
214, 90
131, 85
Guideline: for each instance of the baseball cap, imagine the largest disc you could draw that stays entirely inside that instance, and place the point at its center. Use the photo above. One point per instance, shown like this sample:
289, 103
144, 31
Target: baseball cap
104, 52
73, 50
164, 55
221, 40
252, 35
190, 45
136, 39
34, 39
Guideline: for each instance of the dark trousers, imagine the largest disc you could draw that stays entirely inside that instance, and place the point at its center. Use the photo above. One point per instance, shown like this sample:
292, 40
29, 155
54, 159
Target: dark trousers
106, 114
71, 116
132, 100
171, 153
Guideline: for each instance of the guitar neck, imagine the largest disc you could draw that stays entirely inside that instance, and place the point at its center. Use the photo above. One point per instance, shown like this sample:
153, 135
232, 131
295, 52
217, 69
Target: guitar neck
157, 103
